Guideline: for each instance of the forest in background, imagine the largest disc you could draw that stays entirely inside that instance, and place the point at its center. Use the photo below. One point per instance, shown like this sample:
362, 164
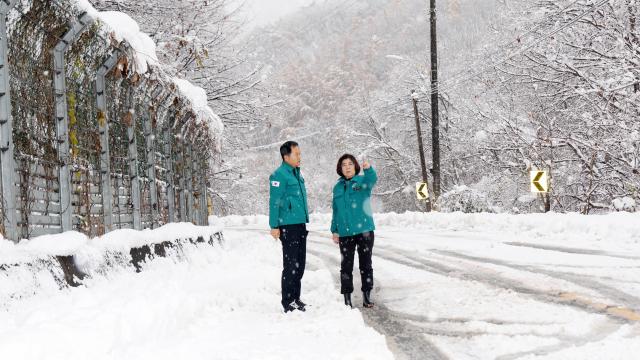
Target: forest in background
551, 85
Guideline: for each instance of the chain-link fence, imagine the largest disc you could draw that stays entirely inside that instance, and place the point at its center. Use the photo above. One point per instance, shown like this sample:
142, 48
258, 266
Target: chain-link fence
87, 142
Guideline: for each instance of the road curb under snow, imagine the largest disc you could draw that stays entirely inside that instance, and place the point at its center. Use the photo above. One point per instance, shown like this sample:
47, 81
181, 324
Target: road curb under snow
65, 260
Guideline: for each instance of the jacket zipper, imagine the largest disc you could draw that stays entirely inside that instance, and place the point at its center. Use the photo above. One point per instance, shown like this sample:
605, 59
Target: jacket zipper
346, 202
304, 199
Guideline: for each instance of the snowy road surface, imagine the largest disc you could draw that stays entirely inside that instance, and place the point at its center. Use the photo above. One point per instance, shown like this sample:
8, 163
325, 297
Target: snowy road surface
460, 288
447, 287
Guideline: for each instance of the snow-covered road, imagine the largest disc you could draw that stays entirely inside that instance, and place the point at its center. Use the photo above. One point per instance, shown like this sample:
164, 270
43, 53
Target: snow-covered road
493, 292
446, 288
474, 307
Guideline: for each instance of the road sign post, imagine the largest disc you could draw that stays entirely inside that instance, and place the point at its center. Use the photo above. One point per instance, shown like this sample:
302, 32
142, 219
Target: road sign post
539, 181
422, 191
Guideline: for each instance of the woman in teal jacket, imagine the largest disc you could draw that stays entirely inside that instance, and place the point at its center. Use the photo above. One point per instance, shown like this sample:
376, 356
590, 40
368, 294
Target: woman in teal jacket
352, 224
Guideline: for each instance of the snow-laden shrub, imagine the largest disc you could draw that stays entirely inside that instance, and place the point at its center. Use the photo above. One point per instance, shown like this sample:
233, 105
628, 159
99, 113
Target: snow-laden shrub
466, 200
624, 204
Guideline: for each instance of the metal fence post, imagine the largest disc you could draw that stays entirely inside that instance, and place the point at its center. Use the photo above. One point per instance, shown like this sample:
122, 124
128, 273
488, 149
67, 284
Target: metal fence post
62, 126
195, 161
171, 196
151, 168
7, 170
182, 181
103, 126
189, 179
132, 157
204, 213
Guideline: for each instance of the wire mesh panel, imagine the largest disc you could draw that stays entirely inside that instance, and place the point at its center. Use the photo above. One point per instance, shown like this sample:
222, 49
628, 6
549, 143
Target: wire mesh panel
181, 184
38, 196
85, 55
120, 116
157, 111
164, 160
84, 122
166, 166
141, 116
32, 37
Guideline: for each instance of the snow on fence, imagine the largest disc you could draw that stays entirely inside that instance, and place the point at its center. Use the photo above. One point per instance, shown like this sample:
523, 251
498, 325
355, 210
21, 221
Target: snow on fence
94, 136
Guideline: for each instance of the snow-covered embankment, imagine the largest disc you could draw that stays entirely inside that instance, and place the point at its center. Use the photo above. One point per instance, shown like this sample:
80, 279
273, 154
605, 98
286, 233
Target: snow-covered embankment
66, 260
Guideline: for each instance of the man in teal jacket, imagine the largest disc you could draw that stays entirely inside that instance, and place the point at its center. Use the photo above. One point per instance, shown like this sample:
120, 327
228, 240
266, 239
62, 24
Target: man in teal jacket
288, 216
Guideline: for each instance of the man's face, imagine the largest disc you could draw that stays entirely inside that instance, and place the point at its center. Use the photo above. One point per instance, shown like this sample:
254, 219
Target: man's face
294, 158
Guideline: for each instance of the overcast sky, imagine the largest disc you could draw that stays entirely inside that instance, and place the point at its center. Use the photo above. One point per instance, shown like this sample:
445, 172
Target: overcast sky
262, 12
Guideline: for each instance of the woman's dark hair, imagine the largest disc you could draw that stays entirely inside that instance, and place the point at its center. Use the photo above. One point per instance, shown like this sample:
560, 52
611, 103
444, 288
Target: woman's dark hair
286, 148
345, 157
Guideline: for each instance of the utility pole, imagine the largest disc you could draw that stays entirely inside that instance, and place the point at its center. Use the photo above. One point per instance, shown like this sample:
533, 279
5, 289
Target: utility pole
435, 122
414, 97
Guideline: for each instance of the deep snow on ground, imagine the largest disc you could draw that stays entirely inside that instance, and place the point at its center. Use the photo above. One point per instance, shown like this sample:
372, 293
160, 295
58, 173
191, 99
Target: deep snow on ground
216, 303
447, 286
487, 286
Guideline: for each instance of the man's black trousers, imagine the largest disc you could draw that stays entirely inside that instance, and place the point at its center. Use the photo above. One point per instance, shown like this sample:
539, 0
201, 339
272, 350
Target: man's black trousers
294, 254
348, 244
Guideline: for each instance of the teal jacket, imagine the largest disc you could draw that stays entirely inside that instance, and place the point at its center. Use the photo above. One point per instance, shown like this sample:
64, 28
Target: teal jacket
287, 197
352, 212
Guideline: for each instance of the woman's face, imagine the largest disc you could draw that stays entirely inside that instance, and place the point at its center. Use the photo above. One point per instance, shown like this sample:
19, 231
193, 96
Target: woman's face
348, 168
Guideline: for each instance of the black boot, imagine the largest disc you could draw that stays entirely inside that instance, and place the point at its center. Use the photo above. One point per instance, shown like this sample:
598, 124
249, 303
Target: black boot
347, 300
290, 308
300, 305
366, 299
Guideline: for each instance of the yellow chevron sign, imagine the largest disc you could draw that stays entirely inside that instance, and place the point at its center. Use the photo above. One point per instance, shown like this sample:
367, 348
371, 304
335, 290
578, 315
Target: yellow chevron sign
422, 191
539, 181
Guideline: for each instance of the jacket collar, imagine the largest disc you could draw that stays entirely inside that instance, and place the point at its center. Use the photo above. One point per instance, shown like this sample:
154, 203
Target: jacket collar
288, 167
343, 179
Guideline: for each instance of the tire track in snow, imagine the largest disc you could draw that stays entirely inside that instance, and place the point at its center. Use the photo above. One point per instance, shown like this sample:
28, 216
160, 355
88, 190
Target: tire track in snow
625, 309
597, 334
404, 334
627, 305
569, 250
405, 340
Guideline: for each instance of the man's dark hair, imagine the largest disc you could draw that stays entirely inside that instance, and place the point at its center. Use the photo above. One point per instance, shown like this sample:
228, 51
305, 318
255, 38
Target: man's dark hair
345, 157
287, 148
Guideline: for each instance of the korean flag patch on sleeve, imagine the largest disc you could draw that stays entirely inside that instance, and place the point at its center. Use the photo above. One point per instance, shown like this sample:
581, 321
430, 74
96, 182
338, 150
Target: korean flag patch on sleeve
275, 183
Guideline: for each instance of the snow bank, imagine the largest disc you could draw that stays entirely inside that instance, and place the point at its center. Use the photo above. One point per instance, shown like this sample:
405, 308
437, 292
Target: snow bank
127, 238
601, 226
466, 200
73, 242
622, 228
240, 220
61, 260
624, 204
221, 304
47, 245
